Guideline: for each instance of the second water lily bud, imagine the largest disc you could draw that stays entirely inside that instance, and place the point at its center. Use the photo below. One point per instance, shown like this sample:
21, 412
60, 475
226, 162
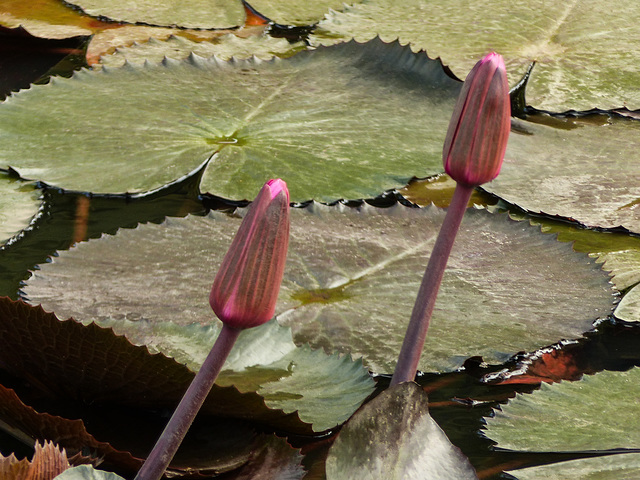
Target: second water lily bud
477, 137
245, 290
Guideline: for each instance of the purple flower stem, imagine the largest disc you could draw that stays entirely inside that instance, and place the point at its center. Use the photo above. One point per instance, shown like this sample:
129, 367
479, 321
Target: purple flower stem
413, 343
175, 431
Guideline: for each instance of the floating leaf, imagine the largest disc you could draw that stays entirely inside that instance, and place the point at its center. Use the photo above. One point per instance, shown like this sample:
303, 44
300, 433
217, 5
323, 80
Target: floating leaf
187, 13
585, 172
585, 50
350, 282
323, 109
19, 202
297, 12
393, 437
224, 47
599, 412
609, 467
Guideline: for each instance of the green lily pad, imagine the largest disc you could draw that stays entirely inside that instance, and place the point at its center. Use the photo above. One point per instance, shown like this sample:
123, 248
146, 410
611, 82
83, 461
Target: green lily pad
297, 12
368, 116
324, 389
585, 50
19, 203
187, 13
350, 281
599, 412
393, 437
609, 467
224, 47
585, 172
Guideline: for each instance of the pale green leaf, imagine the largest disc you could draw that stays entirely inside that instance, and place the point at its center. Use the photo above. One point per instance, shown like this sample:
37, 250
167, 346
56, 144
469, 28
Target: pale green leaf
585, 49
186, 13
19, 203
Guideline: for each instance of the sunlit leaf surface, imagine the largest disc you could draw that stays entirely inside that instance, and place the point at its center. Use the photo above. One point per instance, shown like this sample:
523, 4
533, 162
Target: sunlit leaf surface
574, 169
585, 49
393, 437
186, 13
599, 412
350, 281
297, 12
629, 307
19, 202
367, 116
225, 47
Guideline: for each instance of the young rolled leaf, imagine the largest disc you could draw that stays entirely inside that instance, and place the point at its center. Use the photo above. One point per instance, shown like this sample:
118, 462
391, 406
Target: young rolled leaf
393, 437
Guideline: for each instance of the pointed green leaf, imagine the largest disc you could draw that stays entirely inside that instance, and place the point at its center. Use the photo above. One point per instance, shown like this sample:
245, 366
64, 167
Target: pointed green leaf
585, 49
350, 281
368, 116
393, 437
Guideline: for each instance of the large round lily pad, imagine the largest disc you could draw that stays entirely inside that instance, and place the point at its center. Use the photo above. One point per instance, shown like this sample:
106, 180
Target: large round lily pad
367, 116
350, 281
585, 50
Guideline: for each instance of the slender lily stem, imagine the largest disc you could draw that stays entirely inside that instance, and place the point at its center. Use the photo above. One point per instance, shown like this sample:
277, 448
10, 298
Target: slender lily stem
421, 316
175, 431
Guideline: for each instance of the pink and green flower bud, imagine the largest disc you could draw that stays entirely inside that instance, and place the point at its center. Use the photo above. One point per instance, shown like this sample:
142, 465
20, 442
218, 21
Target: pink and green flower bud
245, 290
479, 129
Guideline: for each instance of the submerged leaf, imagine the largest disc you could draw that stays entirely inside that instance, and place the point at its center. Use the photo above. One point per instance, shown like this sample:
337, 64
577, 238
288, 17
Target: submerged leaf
393, 437
368, 116
350, 281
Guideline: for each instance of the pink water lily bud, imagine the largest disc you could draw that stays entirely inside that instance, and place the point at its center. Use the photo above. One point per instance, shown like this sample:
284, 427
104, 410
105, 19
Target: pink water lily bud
479, 129
245, 290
